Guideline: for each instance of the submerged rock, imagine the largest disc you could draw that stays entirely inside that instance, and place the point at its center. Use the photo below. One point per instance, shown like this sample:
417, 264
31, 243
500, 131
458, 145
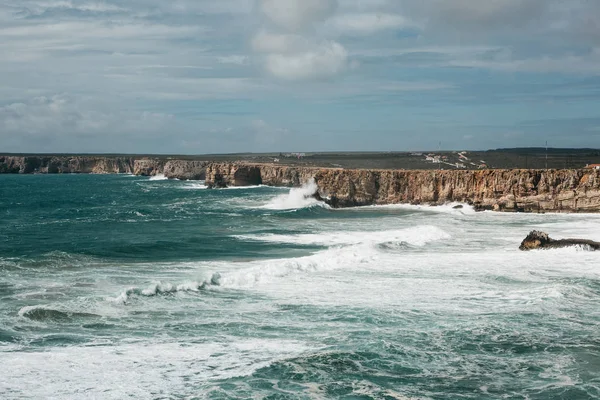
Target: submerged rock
541, 240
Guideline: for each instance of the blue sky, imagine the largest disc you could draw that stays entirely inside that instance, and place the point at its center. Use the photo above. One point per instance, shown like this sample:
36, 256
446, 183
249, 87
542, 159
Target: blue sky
221, 76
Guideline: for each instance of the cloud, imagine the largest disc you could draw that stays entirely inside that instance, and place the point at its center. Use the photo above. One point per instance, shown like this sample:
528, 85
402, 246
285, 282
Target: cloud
324, 61
235, 59
61, 115
295, 15
134, 69
290, 53
469, 14
368, 23
266, 42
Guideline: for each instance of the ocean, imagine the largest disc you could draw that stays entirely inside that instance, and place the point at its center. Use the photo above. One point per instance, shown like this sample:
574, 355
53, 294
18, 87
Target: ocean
123, 287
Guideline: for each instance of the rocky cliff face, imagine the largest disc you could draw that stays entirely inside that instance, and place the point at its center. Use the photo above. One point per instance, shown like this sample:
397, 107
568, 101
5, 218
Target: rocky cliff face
499, 190
148, 167
65, 165
179, 169
185, 170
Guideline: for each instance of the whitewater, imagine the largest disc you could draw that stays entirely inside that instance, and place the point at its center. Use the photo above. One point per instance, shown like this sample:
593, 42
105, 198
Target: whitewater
116, 287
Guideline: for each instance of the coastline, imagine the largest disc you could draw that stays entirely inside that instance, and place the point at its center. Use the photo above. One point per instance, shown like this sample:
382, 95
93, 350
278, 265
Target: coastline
509, 190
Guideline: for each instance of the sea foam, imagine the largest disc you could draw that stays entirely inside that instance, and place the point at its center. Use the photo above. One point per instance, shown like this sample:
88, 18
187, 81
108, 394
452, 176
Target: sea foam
415, 236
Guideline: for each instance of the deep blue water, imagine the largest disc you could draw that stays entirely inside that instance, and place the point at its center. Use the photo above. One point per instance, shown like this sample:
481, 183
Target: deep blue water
117, 287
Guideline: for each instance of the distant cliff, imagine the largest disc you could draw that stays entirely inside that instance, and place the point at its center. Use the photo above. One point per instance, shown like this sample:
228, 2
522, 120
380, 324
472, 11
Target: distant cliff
572, 190
566, 190
179, 169
65, 165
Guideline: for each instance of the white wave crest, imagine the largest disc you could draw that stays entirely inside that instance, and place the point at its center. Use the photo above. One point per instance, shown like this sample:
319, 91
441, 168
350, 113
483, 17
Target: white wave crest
162, 288
267, 272
243, 187
159, 177
448, 208
416, 236
297, 198
199, 185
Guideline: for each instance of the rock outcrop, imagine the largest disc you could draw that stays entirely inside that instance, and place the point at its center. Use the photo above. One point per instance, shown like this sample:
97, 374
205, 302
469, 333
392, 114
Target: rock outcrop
185, 170
148, 167
236, 174
540, 240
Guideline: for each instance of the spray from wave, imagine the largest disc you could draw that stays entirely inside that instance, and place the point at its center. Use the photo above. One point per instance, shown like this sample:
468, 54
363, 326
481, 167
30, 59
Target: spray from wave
297, 198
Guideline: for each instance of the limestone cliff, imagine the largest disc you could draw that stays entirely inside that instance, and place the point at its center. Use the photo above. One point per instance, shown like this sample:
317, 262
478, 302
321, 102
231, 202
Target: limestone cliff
185, 170
569, 190
65, 165
500, 190
148, 167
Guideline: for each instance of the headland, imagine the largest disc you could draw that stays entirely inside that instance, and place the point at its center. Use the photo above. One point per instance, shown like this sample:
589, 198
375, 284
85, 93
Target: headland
486, 180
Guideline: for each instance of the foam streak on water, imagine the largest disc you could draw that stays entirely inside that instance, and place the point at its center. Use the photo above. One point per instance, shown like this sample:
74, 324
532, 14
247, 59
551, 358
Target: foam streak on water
116, 287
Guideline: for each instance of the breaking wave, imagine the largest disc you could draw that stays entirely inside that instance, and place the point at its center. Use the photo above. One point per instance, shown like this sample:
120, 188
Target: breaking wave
159, 177
302, 197
352, 250
417, 236
198, 185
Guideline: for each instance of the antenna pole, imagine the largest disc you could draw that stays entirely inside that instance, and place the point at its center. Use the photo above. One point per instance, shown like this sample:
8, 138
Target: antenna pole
546, 154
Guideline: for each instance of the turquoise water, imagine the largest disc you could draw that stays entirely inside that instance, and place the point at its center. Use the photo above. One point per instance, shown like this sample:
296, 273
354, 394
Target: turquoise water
117, 287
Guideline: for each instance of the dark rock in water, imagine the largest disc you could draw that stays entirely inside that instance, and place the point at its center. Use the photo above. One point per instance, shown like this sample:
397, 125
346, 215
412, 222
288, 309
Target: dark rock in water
458, 207
541, 240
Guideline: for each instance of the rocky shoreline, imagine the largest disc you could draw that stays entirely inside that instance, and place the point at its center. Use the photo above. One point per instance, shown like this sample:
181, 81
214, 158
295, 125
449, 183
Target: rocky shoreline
511, 190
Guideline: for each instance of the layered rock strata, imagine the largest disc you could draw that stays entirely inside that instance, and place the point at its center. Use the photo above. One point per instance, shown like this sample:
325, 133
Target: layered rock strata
66, 165
175, 169
568, 190
499, 190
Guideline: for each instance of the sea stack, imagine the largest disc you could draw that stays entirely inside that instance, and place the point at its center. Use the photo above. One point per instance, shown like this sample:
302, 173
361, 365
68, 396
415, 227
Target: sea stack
540, 240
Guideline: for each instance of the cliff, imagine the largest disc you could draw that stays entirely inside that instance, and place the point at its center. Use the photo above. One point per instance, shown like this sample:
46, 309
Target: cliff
566, 190
172, 169
66, 165
179, 169
572, 190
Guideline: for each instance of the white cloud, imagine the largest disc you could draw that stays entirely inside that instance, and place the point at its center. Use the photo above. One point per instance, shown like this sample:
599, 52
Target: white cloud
64, 115
291, 53
295, 15
325, 61
266, 42
368, 23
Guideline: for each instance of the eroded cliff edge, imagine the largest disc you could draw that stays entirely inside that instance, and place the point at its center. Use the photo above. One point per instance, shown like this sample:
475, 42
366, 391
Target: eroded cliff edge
569, 190
565, 190
144, 166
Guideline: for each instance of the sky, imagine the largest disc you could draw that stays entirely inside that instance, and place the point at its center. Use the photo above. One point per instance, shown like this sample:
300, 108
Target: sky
228, 76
